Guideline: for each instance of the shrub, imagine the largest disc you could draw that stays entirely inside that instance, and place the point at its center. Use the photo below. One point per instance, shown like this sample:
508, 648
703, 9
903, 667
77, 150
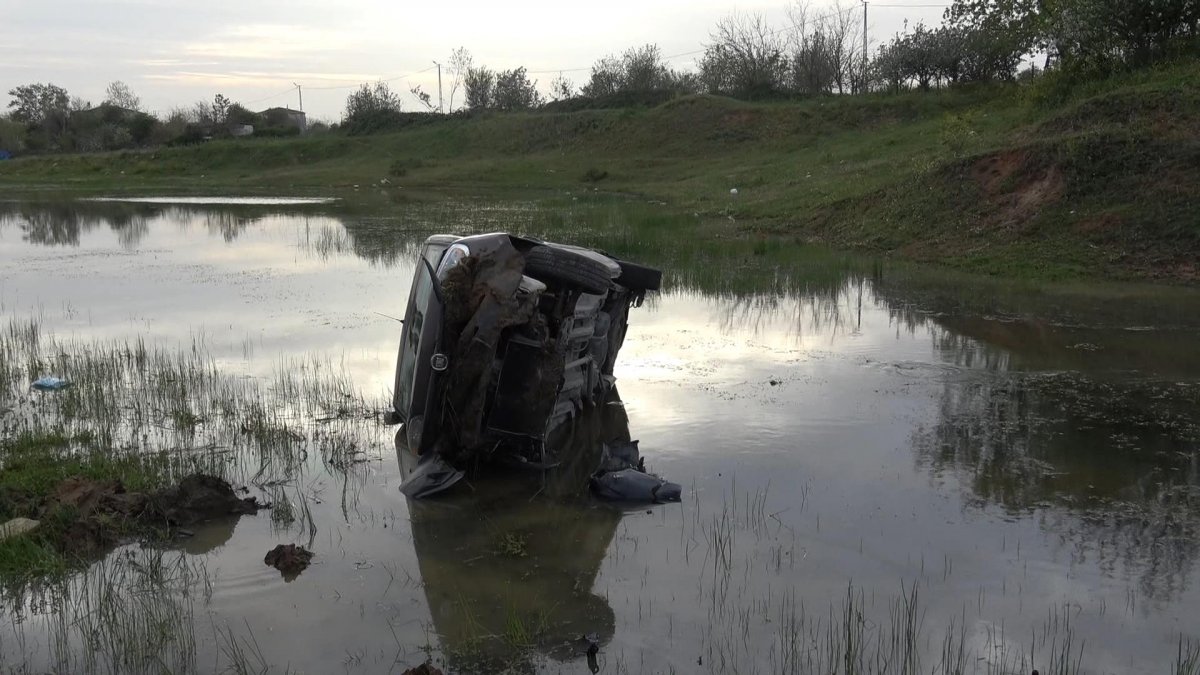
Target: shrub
594, 175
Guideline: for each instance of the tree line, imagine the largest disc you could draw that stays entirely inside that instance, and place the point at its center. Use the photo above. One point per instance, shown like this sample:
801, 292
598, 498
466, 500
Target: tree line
817, 51
46, 118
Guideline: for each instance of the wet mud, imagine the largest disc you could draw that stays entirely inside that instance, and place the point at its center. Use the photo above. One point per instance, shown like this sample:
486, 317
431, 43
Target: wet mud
83, 517
289, 559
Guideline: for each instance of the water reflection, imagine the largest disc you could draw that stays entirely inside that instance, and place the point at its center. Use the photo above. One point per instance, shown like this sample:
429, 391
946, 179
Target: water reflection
63, 223
504, 572
208, 537
851, 388
1113, 467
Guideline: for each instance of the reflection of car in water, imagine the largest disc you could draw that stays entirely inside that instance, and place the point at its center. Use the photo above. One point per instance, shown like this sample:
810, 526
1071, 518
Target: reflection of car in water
504, 339
505, 574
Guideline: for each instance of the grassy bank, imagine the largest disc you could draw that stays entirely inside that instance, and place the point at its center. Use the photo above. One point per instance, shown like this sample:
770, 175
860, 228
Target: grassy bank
97, 463
994, 179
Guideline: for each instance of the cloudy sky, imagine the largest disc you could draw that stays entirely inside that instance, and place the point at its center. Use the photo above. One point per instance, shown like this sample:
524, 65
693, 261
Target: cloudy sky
174, 53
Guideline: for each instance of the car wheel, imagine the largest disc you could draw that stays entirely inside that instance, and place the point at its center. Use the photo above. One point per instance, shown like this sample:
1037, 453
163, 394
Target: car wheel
637, 277
563, 266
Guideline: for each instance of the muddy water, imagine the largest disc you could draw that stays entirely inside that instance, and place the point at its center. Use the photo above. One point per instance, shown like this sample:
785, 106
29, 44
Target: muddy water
1007, 474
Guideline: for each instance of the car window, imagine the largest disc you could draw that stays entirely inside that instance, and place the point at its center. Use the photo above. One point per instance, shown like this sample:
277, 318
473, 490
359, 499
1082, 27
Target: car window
414, 325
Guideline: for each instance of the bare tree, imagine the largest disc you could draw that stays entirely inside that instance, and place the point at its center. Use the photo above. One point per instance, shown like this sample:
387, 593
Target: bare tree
460, 62
119, 94
811, 67
825, 55
561, 88
423, 98
744, 58
220, 109
200, 113
644, 69
845, 35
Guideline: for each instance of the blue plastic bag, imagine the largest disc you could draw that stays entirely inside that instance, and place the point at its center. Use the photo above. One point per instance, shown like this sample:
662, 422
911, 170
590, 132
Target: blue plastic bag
50, 383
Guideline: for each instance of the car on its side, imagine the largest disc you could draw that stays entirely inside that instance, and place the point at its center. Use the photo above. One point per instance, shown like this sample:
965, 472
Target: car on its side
505, 338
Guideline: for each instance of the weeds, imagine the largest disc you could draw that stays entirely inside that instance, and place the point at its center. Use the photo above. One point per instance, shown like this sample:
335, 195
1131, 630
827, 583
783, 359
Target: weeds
146, 417
243, 654
594, 175
1187, 660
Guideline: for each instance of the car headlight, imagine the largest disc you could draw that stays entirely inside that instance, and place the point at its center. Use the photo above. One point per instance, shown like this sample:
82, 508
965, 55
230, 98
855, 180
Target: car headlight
452, 257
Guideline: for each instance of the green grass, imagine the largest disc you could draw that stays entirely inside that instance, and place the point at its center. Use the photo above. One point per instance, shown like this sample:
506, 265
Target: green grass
1100, 177
147, 417
33, 464
31, 556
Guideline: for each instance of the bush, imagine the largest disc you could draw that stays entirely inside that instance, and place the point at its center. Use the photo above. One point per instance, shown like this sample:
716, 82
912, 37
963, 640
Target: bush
276, 132
639, 70
958, 133
372, 108
382, 121
1098, 37
400, 167
620, 99
504, 90
192, 135
745, 59
238, 114
594, 175
11, 135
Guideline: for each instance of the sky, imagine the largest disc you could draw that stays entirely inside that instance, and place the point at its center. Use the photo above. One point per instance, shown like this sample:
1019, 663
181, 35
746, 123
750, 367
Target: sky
173, 54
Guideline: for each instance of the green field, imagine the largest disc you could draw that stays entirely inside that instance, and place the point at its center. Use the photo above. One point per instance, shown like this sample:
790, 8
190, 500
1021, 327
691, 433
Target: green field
1027, 180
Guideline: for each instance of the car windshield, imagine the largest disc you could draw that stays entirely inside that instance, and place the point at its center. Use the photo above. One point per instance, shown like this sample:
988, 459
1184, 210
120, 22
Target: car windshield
414, 325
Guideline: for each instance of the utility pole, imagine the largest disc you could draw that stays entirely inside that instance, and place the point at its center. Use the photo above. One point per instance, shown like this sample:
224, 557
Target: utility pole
300, 93
866, 85
439, 66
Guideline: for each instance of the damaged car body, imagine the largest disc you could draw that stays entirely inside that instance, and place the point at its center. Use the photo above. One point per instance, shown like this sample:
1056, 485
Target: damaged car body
506, 339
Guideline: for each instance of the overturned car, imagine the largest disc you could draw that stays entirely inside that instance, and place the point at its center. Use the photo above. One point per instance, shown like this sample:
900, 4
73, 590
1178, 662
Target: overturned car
505, 339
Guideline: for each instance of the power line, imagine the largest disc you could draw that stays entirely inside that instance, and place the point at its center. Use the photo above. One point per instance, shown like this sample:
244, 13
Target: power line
295, 86
260, 100
389, 79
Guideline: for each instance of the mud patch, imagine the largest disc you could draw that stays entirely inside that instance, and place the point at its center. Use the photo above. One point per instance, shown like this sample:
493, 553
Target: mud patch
88, 516
1017, 187
289, 559
198, 498
423, 669
1100, 224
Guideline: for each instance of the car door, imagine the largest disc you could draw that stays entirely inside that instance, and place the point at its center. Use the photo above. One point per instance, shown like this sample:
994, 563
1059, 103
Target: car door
412, 394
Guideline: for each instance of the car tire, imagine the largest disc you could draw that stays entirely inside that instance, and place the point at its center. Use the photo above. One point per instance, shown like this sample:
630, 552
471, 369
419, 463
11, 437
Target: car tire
563, 266
637, 277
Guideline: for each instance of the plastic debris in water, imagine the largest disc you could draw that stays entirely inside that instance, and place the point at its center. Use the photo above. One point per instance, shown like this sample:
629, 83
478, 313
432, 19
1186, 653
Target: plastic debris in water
50, 383
622, 477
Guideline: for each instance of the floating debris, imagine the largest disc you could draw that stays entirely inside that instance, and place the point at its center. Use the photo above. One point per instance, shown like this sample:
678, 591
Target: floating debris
289, 559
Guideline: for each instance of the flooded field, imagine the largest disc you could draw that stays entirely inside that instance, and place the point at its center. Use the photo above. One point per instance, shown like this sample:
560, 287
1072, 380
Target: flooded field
885, 469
